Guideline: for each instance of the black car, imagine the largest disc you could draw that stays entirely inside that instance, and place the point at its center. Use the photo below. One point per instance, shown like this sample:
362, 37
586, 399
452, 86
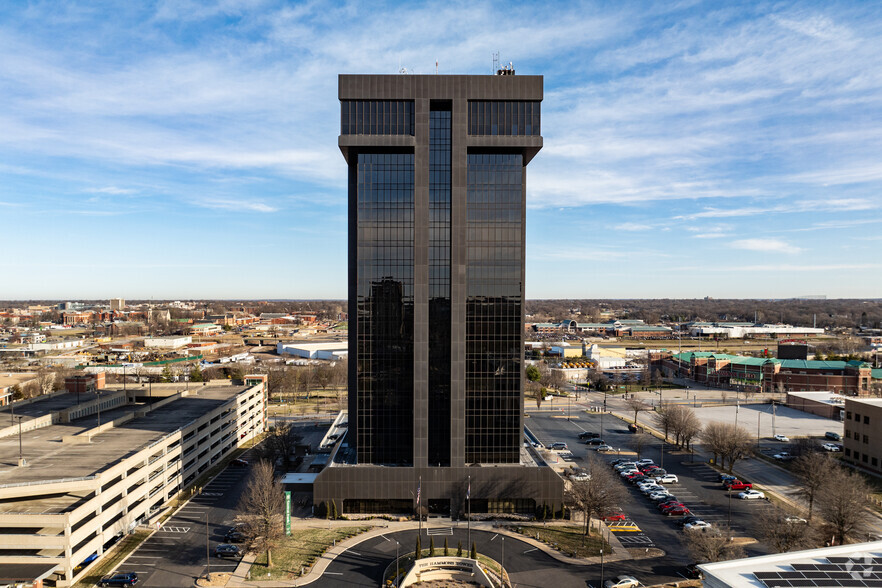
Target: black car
239, 463
129, 579
234, 536
226, 550
588, 435
689, 519
595, 441
833, 436
693, 572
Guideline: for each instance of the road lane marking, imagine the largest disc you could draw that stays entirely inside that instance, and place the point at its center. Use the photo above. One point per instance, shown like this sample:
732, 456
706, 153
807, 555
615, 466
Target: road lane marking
529, 550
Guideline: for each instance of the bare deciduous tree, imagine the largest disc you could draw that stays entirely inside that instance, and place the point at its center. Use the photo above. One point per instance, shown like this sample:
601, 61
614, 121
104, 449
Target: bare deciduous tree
727, 441
813, 470
711, 546
842, 501
279, 444
600, 493
641, 441
783, 535
636, 405
683, 423
261, 507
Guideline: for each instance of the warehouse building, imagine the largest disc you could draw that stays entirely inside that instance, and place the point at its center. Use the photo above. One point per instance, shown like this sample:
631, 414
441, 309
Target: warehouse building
73, 486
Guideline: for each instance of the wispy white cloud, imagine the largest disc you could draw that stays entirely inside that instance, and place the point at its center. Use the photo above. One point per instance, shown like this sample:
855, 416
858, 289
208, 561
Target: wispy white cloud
636, 227
765, 245
235, 205
114, 190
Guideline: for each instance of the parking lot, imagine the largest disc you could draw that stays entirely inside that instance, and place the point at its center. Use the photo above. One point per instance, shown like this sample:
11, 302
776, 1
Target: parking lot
183, 547
698, 486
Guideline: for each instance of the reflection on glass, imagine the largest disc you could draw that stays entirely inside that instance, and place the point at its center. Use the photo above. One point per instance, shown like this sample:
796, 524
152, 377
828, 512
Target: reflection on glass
493, 308
384, 270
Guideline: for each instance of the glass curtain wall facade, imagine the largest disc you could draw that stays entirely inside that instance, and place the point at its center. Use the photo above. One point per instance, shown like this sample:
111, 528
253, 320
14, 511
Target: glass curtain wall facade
493, 307
384, 284
439, 284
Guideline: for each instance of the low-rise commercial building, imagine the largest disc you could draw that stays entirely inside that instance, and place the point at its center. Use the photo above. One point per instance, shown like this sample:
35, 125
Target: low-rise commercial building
167, 342
822, 404
862, 442
764, 374
842, 565
329, 350
87, 484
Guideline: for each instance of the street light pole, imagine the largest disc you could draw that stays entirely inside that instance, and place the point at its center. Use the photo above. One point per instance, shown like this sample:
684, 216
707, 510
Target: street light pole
21, 460
207, 552
397, 545
502, 572
601, 567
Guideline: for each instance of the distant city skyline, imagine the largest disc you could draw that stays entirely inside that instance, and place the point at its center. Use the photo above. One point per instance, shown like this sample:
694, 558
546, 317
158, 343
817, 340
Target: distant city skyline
187, 150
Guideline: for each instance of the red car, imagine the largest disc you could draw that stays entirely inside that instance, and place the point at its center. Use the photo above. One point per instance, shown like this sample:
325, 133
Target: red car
615, 515
679, 511
667, 506
649, 468
740, 486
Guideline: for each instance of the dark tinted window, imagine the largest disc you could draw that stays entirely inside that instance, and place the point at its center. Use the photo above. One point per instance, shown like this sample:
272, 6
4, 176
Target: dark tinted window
504, 117
376, 117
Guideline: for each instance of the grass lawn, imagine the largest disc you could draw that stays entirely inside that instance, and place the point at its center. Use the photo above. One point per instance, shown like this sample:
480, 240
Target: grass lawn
302, 548
569, 539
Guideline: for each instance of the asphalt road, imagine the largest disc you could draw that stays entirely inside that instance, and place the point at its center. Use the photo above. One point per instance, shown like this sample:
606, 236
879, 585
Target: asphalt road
363, 565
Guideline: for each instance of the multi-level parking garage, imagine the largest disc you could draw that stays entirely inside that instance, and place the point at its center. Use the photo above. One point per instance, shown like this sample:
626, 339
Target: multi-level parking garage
90, 479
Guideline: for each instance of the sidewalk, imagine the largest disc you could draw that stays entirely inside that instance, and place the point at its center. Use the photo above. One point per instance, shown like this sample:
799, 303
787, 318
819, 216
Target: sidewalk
239, 579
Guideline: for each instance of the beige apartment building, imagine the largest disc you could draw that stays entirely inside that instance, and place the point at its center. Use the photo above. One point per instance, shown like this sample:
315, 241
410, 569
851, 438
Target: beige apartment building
88, 481
862, 444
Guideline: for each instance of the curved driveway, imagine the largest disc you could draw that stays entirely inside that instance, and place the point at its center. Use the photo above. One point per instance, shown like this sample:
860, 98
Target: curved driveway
363, 564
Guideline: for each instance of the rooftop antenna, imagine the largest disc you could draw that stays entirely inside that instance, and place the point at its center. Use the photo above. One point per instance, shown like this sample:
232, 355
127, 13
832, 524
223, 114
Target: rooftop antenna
495, 66
436, 67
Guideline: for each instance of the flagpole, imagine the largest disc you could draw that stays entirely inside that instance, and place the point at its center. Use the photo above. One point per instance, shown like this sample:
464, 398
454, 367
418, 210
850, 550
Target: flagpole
469, 519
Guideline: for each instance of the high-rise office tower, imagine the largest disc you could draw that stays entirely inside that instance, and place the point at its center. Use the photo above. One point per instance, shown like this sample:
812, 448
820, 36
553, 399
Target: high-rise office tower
437, 190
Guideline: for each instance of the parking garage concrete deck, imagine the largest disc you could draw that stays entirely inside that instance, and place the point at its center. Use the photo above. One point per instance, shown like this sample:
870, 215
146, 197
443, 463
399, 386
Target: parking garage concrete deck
50, 458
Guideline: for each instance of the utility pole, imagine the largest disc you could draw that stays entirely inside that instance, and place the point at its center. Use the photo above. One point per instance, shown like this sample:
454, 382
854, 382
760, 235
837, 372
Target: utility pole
601, 567
21, 459
207, 552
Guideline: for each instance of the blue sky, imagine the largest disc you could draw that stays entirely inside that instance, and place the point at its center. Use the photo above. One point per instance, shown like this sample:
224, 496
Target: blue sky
188, 149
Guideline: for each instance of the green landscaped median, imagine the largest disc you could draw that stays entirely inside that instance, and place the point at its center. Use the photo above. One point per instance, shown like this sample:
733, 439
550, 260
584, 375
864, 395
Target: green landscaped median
300, 550
568, 539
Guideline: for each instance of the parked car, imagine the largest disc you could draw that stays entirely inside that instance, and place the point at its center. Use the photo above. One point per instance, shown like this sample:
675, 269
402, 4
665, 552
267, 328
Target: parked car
677, 511
689, 519
783, 456
234, 536
724, 477
625, 465
666, 506
588, 435
635, 428
667, 479
659, 495
613, 515
750, 495
595, 441
622, 582
239, 463
580, 477
833, 436
692, 572
603, 448
558, 446
782, 438
644, 462
830, 447
737, 485
795, 520
657, 473
696, 526
129, 579
226, 550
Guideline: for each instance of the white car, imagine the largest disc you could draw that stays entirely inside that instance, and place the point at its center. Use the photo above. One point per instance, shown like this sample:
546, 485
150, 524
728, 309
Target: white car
625, 465
830, 447
642, 462
750, 495
782, 438
626, 473
795, 520
580, 477
668, 479
603, 448
696, 526
650, 488
659, 495
783, 456
622, 582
